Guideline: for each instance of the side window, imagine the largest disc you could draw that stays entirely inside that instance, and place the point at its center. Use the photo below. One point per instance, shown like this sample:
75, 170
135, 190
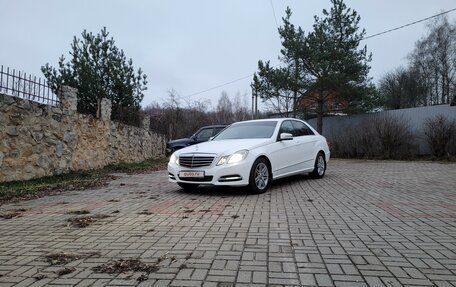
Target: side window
302, 129
287, 127
204, 135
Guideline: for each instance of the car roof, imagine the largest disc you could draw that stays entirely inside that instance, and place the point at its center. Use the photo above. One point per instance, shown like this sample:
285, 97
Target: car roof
215, 126
268, 120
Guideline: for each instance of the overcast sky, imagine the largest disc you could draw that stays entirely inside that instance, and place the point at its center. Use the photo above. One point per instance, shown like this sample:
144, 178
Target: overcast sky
191, 46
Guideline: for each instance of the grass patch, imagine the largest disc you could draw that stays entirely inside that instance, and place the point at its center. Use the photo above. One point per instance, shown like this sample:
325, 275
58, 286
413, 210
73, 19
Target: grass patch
140, 167
50, 185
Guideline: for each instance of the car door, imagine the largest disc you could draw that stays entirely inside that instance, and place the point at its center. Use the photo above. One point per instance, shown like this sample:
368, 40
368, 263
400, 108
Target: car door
306, 141
283, 153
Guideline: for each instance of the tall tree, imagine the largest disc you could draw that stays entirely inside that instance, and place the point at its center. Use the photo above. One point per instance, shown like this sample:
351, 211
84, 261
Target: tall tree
326, 65
98, 69
337, 69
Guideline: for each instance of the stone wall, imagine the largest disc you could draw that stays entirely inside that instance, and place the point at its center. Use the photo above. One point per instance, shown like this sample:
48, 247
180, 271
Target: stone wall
38, 140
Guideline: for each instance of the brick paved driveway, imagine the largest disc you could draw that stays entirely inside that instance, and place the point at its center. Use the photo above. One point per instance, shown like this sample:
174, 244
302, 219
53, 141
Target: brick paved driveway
367, 223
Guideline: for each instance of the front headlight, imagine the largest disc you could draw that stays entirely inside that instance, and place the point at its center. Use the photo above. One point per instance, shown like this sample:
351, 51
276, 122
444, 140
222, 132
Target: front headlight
234, 158
174, 159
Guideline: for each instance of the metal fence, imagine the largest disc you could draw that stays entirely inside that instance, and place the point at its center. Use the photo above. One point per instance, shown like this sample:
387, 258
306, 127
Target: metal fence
413, 117
19, 84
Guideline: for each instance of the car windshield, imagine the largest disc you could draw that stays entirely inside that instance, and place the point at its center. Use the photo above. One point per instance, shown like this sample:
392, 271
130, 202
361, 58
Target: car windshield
248, 130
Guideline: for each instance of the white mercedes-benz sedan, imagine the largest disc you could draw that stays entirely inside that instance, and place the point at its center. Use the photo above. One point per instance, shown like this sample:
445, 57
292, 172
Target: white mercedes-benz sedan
251, 153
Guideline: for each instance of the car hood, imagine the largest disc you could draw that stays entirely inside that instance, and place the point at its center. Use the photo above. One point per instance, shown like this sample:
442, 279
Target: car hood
179, 141
224, 147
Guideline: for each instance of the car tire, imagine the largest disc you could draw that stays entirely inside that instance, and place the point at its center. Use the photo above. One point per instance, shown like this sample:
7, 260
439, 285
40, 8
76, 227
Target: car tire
319, 167
260, 176
188, 186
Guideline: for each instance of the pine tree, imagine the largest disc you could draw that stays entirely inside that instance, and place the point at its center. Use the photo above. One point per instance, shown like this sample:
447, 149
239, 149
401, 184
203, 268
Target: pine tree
324, 65
98, 69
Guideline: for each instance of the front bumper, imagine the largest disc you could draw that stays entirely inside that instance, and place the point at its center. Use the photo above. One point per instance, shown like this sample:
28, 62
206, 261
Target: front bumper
223, 175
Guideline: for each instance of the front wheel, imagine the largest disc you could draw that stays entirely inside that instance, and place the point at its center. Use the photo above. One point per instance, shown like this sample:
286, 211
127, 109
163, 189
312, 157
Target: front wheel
260, 176
188, 186
320, 166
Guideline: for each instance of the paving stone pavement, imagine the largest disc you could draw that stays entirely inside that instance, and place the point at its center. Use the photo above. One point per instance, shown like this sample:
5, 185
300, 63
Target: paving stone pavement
366, 223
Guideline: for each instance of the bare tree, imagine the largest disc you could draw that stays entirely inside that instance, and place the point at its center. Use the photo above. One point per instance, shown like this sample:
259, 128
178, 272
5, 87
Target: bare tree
402, 89
434, 57
240, 108
224, 109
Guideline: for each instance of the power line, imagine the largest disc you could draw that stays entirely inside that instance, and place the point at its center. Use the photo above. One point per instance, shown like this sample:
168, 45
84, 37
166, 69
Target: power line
273, 12
409, 24
364, 38
219, 86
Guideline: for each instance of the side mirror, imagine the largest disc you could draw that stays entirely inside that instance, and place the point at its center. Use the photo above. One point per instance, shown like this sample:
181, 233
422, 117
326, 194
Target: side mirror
211, 138
285, 137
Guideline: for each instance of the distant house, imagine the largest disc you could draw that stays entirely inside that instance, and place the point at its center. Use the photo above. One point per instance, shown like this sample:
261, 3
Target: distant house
332, 102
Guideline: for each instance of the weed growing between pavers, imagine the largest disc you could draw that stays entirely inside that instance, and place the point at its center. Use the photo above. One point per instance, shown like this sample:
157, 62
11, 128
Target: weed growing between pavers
85, 221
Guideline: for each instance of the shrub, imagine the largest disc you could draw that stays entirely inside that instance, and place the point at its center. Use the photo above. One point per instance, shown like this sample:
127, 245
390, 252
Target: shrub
376, 137
440, 134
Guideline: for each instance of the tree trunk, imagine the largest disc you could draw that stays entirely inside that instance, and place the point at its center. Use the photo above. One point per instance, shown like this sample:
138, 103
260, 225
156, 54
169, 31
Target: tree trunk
320, 116
295, 92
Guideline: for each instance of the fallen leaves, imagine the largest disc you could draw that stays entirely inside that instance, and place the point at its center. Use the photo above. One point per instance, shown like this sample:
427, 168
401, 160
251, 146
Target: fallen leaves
64, 258
13, 213
125, 265
84, 221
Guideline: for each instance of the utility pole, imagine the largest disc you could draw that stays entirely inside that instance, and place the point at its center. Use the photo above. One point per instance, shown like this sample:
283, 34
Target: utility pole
256, 105
253, 102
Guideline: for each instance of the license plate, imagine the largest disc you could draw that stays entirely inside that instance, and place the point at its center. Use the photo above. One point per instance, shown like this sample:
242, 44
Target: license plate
184, 174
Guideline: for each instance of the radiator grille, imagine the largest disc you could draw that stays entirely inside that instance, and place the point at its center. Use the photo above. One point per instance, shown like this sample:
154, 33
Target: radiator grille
195, 161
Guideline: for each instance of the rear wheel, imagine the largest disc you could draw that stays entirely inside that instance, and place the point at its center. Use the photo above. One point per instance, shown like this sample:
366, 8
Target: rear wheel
260, 176
320, 166
188, 186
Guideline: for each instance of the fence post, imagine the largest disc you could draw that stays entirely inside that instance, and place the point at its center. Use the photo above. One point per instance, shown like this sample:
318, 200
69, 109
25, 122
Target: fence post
146, 123
69, 98
106, 107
